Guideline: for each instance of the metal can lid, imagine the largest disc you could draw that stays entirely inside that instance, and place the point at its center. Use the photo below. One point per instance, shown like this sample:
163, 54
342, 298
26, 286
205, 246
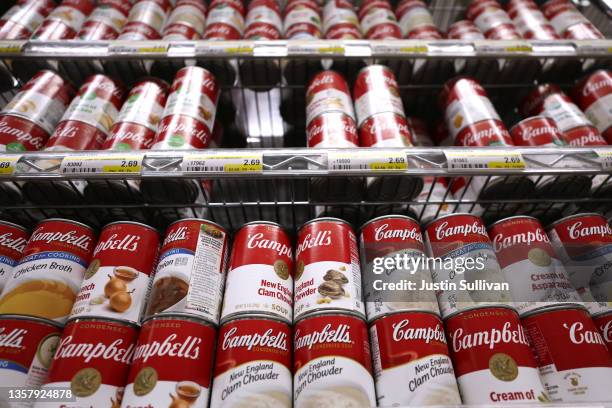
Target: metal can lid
399, 216
66, 220
569, 217
140, 224
12, 224
427, 224
330, 219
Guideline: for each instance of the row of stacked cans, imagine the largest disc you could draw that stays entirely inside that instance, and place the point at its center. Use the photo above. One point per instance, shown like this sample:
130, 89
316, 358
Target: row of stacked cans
173, 355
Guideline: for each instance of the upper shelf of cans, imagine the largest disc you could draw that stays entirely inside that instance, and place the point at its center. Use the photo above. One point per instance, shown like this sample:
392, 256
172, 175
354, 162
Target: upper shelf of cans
301, 28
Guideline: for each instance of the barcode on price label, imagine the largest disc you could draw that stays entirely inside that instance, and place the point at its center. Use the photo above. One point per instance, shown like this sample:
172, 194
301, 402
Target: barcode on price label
128, 164
7, 165
605, 158
484, 160
376, 160
223, 163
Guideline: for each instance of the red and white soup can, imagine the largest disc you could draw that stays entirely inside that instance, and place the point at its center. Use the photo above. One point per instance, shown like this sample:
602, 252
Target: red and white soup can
332, 129
563, 16
225, 20
186, 22
537, 131
549, 100
385, 129
193, 255
415, 20
28, 120
379, 23
172, 363
536, 276
327, 273
332, 362
137, 121
47, 279
190, 111
604, 324
340, 20
260, 275
263, 20
92, 359
302, 20
65, 21
594, 96
106, 21
492, 359
384, 291
464, 30
90, 116
529, 20
492, 20
13, 239
27, 345
583, 31
117, 281
474, 276
412, 366
583, 242
146, 20
253, 364
328, 92
376, 91
575, 364
21, 20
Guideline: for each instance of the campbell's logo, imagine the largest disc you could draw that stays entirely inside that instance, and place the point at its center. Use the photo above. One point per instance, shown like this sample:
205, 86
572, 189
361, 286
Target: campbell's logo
477, 138
70, 237
325, 128
8, 241
179, 234
105, 85
606, 331
385, 232
138, 138
578, 335
577, 230
378, 126
501, 241
444, 231
115, 351
321, 238
169, 347
325, 79
262, 30
13, 338
21, 136
259, 242
489, 338
127, 243
530, 132
372, 80
269, 338
203, 135
403, 331
595, 86
339, 334
64, 131
591, 139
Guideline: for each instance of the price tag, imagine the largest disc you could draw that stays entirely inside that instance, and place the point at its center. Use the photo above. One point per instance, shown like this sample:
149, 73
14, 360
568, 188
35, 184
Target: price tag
605, 158
375, 160
10, 48
7, 165
223, 163
239, 50
504, 47
126, 164
132, 48
331, 50
489, 159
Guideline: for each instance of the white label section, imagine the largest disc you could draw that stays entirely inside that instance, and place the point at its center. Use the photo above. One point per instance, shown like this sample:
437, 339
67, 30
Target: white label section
329, 100
141, 109
161, 396
188, 15
301, 15
467, 111
70, 16
567, 115
149, 13
191, 102
27, 16
376, 17
537, 281
481, 387
333, 16
414, 18
110, 16
39, 108
257, 288
263, 14
240, 163
106, 395
6, 270
577, 385
97, 112
333, 382
528, 20
226, 15
490, 18
429, 380
92, 300
129, 164
377, 101
600, 113
312, 293
260, 383
566, 19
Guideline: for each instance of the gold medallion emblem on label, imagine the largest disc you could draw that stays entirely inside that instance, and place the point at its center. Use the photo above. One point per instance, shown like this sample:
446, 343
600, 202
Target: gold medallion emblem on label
281, 269
299, 270
86, 382
503, 367
539, 257
145, 381
92, 269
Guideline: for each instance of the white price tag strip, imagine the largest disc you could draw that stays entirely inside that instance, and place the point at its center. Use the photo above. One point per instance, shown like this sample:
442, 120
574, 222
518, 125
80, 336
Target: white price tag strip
487, 159
10, 48
605, 158
126, 164
7, 165
223, 163
131, 48
504, 47
374, 159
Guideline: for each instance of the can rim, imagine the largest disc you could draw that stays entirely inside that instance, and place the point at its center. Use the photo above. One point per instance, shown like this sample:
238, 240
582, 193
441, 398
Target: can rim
332, 219
478, 307
253, 316
334, 312
569, 217
180, 316
397, 312
78, 319
427, 224
602, 314
197, 219
554, 308
14, 225
32, 318
511, 218
400, 216
260, 222
141, 224
67, 220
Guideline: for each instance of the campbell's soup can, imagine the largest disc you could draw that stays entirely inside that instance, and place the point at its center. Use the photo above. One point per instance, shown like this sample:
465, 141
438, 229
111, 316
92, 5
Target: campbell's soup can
253, 364
190, 110
302, 20
385, 129
186, 22
172, 364
64, 21
106, 21
47, 279
332, 130
412, 366
260, 275
492, 359
328, 92
13, 239
117, 281
146, 20
27, 121
190, 274
575, 364
415, 20
92, 359
376, 91
390, 287
27, 346
21, 20
225, 20
263, 20
492, 20
594, 96
327, 273
604, 324
469, 274
332, 363
536, 276
529, 20
564, 16
583, 242
379, 23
